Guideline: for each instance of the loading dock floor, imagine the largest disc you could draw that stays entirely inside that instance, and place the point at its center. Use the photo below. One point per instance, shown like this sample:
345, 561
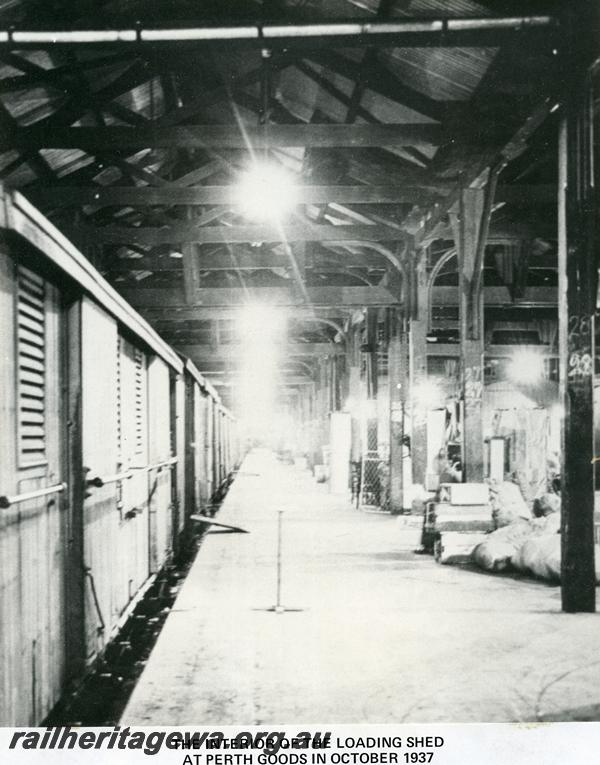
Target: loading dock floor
383, 634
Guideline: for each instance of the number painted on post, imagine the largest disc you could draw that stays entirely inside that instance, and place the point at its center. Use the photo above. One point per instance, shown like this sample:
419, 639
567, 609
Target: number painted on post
580, 365
473, 384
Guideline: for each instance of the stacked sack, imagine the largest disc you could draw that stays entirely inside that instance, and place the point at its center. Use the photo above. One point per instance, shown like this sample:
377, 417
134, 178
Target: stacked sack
511, 519
539, 553
498, 549
526, 544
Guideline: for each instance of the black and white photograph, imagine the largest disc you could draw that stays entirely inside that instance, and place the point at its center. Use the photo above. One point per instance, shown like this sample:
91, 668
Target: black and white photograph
299, 422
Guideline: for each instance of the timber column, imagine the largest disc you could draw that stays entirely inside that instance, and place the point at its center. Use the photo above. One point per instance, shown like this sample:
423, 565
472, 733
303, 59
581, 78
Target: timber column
467, 226
577, 264
399, 385
419, 326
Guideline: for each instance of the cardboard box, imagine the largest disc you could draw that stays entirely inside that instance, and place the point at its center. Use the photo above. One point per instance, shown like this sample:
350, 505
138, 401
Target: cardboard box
467, 493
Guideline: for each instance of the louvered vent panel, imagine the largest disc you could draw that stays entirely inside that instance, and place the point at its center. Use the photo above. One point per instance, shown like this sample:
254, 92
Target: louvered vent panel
139, 401
31, 362
119, 394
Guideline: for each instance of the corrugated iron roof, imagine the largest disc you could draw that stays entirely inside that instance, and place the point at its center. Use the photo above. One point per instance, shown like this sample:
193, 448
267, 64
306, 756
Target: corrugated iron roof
427, 8
444, 74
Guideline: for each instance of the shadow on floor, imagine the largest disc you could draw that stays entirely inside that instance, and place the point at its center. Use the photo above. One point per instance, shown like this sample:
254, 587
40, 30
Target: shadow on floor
408, 556
588, 713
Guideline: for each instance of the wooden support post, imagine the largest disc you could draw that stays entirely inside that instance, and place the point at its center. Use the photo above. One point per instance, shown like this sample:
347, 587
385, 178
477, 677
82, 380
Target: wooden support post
354, 391
372, 374
191, 275
398, 375
467, 226
372, 444
354, 397
577, 299
419, 326
321, 412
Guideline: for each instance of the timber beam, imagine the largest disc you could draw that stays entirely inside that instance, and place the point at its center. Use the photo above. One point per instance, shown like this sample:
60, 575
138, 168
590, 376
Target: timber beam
186, 232
157, 304
226, 380
242, 261
426, 228
184, 313
452, 350
110, 196
319, 136
344, 297
233, 352
499, 296
192, 233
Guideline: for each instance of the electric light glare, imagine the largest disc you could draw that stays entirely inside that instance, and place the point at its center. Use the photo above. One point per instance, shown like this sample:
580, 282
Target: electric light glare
428, 395
262, 331
526, 367
260, 323
266, 192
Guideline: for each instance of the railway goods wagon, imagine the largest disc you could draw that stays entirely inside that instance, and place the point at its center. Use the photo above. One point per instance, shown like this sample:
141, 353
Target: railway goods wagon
93, 470
211, 437
201, 399
226, 456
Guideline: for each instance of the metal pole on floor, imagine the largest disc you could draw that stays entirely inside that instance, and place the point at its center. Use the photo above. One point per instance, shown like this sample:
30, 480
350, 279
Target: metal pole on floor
279, 609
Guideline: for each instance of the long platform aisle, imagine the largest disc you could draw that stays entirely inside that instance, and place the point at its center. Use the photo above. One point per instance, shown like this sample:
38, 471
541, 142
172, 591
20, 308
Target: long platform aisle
380, 634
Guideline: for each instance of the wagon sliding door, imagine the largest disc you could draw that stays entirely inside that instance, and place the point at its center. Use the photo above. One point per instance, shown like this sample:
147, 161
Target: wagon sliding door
210, 447
160, 475
132, 424
116, 525
100, 455
178, 440
202, 440
32, 533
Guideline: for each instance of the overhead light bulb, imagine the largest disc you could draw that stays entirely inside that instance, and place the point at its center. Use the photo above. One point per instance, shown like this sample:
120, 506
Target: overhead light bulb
266, 192
526, 367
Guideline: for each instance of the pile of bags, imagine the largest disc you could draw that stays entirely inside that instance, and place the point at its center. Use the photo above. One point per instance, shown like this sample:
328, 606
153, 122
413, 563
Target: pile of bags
520, 542
508, 504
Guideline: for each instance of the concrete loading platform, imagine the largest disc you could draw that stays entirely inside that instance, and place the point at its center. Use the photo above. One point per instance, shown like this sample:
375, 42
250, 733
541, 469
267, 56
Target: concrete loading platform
382, 634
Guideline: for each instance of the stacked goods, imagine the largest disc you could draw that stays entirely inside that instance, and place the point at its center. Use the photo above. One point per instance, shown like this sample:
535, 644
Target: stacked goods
508, 504
456, 521
497, 550
531, 546
454, 547
546, 504
540, 556
539, 551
